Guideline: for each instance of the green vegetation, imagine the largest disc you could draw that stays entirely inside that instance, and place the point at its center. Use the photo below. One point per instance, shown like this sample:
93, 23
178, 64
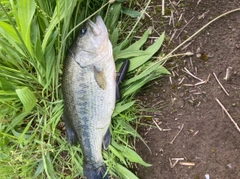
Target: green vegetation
34, 38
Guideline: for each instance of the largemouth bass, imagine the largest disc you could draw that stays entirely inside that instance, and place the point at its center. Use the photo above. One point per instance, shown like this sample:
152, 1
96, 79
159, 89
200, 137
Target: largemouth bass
89, 92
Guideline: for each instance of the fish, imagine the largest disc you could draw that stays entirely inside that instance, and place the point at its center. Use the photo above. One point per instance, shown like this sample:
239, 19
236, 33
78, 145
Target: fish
89, 95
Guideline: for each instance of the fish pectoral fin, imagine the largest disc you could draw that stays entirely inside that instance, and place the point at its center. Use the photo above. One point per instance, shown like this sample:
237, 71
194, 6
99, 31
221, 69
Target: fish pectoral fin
100, 78
71, 134
120, 77
107, 139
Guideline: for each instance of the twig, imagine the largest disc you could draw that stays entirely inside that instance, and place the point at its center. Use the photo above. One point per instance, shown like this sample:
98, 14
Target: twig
225, 110
184, 27
173, 34
188, 72
203, 82
199, 1
176, 161
187, 163
173, 6
163, 8
161, 129
171, 19
187, 45
228, 73
220, 84
177, 134
171, 165
181, 81
203, 15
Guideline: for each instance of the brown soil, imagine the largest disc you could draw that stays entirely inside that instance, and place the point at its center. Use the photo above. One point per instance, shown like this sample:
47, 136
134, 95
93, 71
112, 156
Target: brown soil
208, 140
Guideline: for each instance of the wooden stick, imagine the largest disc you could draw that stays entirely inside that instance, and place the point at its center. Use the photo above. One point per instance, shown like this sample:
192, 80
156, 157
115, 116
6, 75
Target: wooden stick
161, 129
187, 163
228, 73
236, 125
220, 84
163, 8
188, 72
177, 134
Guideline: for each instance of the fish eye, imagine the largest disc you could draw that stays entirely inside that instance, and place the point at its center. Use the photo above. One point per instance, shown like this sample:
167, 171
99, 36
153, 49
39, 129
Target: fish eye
83, 31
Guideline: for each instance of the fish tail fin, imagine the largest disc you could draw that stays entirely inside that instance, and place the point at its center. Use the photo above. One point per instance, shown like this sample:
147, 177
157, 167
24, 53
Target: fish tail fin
92, 173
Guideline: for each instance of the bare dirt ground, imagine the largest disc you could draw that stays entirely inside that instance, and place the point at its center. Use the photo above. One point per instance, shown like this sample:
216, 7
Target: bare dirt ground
200, 140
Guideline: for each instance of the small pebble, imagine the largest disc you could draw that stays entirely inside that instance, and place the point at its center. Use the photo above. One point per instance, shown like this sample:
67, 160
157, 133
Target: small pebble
229, 165
207, 176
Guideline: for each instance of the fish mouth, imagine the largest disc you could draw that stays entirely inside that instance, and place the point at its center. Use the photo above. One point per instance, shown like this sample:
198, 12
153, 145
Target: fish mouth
96, 30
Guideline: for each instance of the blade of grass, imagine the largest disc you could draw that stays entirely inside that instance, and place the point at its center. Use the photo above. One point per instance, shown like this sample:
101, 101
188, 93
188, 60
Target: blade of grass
26, 10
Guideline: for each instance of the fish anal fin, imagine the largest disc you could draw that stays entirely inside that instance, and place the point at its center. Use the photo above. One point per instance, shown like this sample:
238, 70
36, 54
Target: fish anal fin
100, 78
107, 139
71, 134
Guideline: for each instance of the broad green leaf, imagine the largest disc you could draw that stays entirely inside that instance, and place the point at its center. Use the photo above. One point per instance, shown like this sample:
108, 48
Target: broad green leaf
134, 157
7, 93
138, 44
126, 174
133, 88
131, 12
143, 74
113, 16
7, 85
130, 154
8, 32
118, 154
61, 9
7, 45
123, 54
8, 98
27, 98
26, 10
114, 37
160, 69
120, 108
138, 61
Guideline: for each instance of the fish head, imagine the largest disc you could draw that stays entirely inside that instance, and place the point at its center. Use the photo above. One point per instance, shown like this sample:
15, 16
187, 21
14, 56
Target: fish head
93, 45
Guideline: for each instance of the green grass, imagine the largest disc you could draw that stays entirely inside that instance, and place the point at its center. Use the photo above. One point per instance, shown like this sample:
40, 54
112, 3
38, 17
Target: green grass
34, 38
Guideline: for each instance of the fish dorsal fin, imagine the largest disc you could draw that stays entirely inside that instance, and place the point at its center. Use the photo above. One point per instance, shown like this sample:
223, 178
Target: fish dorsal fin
100, 78
107, 139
